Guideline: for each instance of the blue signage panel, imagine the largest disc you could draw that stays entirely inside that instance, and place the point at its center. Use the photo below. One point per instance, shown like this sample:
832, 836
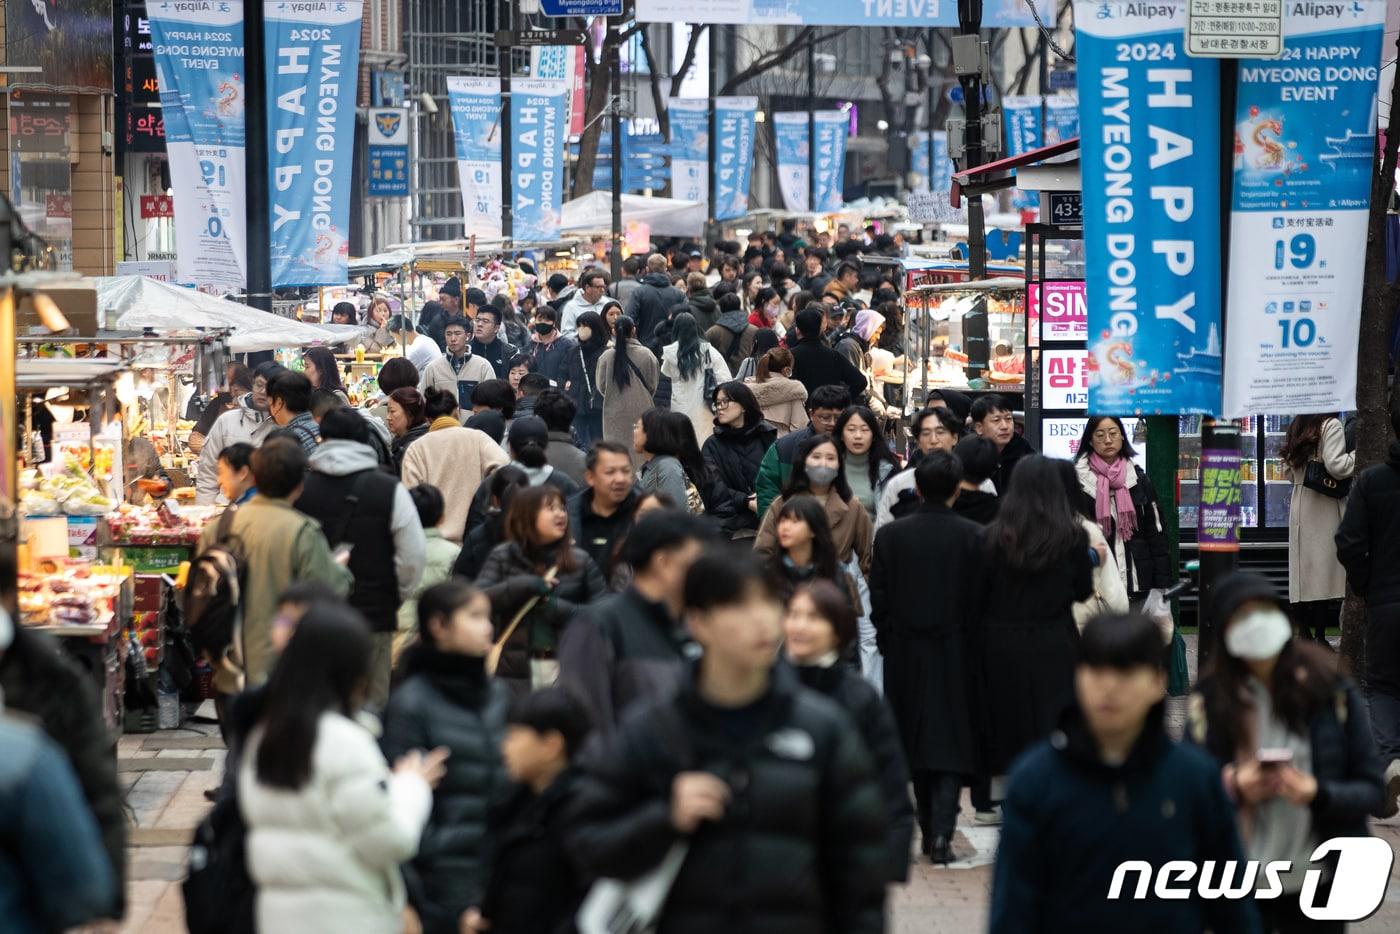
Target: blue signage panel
581, 7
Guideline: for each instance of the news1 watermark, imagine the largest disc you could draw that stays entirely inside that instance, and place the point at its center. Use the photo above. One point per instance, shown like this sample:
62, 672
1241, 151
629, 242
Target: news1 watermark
1358, 882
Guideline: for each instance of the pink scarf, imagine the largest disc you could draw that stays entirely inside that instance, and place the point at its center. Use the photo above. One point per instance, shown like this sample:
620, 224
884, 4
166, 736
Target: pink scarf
1112, 481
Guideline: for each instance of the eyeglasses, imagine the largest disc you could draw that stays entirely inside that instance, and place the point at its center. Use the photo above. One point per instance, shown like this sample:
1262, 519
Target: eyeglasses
1111, 434
722, 404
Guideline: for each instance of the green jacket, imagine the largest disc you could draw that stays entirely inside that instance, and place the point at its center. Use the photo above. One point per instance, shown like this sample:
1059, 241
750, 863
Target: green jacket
776, 467
441, 555
279, 547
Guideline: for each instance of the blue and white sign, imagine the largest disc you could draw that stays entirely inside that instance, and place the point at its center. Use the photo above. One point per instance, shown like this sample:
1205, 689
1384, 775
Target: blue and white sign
942, 165
1151, 143
581, 7
735, 120
388, 152
995, 13
476, 130
644, 157
794, 159
199, 67
1021, 117
538, 124
690, 148
833, 127
313, 62
1305, 138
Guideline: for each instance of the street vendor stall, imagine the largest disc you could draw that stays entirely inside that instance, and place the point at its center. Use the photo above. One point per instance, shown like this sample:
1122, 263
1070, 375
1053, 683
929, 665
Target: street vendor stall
967, 336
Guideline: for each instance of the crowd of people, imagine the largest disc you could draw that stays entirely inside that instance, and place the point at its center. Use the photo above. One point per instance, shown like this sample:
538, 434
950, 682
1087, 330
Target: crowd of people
655, 598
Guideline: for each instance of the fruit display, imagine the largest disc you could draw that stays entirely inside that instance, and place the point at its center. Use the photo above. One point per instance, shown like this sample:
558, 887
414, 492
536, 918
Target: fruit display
69, 492
161, 524
71, 596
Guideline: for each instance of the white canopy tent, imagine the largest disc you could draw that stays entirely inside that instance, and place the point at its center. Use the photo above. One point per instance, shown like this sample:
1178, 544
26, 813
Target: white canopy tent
665, 217
132, 303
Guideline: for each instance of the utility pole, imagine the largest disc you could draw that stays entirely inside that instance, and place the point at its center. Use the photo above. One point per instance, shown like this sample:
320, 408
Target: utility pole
503, 56
615, 75
969, 69
929, 107
812, 122
259, 255
711, 232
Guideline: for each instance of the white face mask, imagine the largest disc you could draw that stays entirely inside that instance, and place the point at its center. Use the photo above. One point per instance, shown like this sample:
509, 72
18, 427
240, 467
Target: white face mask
1259, 635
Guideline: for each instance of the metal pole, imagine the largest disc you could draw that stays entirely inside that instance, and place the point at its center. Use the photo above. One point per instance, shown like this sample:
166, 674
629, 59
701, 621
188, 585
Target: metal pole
615, 70
507, 168
256, 158
711, 232
970, 23
929, 106
812, 124
1044, 81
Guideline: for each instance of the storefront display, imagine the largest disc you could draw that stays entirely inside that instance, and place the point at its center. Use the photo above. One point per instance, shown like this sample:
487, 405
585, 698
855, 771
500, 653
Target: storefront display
966, 336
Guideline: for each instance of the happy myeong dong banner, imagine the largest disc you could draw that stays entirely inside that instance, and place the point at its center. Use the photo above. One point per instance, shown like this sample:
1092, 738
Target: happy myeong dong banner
790, 132
313, 59
690, 148
1005, 13
199, 67
1305, 126
1151, 227
538, 124
476, 130
735, 122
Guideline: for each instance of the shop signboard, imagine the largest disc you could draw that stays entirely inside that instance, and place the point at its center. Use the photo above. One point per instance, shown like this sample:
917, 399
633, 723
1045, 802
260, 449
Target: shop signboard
1305, 126
904, 13
538, 125
690, 154
476, 130
1064, 382
154, 206
1060, 309
1151, 228
735, 124
1061, 438
388, 152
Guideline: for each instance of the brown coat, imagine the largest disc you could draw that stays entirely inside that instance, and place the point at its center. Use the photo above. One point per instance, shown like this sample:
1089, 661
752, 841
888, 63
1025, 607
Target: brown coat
783, 401
851, 529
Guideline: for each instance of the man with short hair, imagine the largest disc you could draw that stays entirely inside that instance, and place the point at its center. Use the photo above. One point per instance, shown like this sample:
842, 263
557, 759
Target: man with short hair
558, 291
419, 349
549, 350
824, 406
591, 296
629, 647
600, 515
632, 269
277, 546
651, 304
368, 509
247, 422
815, 278
459, 370
993, 419
814, 364
487, 342
558, 411
474, 300
531, 385
450, 297
289, 404
732, 334
703, 306
934, 429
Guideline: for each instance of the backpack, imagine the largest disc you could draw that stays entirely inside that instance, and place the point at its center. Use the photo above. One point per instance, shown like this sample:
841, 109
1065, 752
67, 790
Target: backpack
214, 592
219, 894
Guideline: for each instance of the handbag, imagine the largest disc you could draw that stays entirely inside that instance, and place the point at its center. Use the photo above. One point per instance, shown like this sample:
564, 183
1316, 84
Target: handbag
613, 906
493, 658
711, 384
1317, 479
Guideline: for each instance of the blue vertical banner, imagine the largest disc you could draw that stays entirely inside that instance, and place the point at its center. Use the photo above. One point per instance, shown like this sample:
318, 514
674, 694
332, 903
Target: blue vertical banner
388, 152
313, 66
1021, 117
793, 158
833, 127
690, 148
476, 132
1061, 118
1305, 138
538, 125
942, 165
1150, 140
199, 68
790, 137
735, 122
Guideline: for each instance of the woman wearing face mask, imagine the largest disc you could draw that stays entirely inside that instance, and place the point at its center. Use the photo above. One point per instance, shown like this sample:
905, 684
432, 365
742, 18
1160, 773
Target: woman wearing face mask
767, 307
447, 700
1293, 740
581, 376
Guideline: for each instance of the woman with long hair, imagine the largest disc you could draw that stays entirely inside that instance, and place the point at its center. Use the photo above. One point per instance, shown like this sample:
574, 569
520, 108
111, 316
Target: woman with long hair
501, 486
408, 421
328, 822
581, 376
819, 628
806, 552
733, 455
1109, 596
1038, 565
447, 700
767, 309
537, 580
1291, 735
628, 375
1118, 495
664, 442
751, 284
692, 363
817, 471
782, 398
320, 367
377, 316
868, 460
516, 334
1316, 580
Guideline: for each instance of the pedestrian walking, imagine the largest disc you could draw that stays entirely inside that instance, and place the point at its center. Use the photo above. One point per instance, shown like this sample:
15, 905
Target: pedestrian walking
628, 375
824, 407
815, 364
932, 429
695, 369
806, 552
653, 300
868, 461
549, 349
447, 701
501, 485
489, 342
1109, 596
537, 580
452, 458
993, 419
664, 443
1317, 461
329, 823
559, 413
581, 376
977, 497
745, 769
248, 423
528, 445
781, 397
289, 404
439, 557
408, 422
1291, 735
320, 366
1110, 789
458, 371
817, 471
733, 455
819, 629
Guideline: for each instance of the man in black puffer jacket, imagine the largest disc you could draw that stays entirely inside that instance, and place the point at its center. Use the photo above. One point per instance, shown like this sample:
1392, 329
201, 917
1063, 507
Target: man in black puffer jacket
653, 300
770, 784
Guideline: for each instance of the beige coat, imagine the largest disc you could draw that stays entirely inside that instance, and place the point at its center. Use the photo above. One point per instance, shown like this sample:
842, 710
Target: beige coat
1314, 573
439, 375
851, 529
622, 407
783, 401
455, 460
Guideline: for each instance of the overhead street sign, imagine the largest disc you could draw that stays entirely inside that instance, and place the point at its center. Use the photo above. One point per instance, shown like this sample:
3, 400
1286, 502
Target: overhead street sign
1234, 28
581, 7
506, 39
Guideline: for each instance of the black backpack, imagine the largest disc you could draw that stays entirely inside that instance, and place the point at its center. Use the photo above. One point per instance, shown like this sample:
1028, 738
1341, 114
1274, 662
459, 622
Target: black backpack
220, 897
214, 592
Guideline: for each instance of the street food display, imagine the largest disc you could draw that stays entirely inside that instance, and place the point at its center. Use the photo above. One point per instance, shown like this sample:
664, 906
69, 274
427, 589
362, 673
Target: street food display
965, 336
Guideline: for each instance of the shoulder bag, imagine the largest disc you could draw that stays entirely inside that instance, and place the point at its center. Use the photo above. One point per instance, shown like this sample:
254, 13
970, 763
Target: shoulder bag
1317, 479
711, 383
636, 370
493, 658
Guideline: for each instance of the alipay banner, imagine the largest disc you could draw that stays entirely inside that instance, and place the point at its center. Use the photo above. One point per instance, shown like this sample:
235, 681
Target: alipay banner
942, 165
735, 118
1305, 130
476, 129
199, 67
1151, 229
313, 59
1006, 13
538, 124
690, 148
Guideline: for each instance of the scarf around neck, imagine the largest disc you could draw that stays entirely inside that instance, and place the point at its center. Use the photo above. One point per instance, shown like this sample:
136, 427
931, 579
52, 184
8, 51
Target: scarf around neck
1113, 503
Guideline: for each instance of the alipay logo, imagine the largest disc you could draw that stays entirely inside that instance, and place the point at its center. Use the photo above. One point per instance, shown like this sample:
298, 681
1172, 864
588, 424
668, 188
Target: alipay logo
1358, 886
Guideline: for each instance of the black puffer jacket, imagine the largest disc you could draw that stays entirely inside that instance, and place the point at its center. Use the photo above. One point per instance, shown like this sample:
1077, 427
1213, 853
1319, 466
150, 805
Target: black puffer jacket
510, 578
873, 718
534, 888
581, 378
801, 848
447, 700
733, 456
652, 302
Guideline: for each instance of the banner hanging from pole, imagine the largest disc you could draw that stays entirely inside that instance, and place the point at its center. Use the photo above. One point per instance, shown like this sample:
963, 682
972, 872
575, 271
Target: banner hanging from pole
476, 130
735, 121
690, 148
918, 160
904, 13
199, 68
538, 125
313, 66
1150, 132
794, 163
833, 127
1305, 137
